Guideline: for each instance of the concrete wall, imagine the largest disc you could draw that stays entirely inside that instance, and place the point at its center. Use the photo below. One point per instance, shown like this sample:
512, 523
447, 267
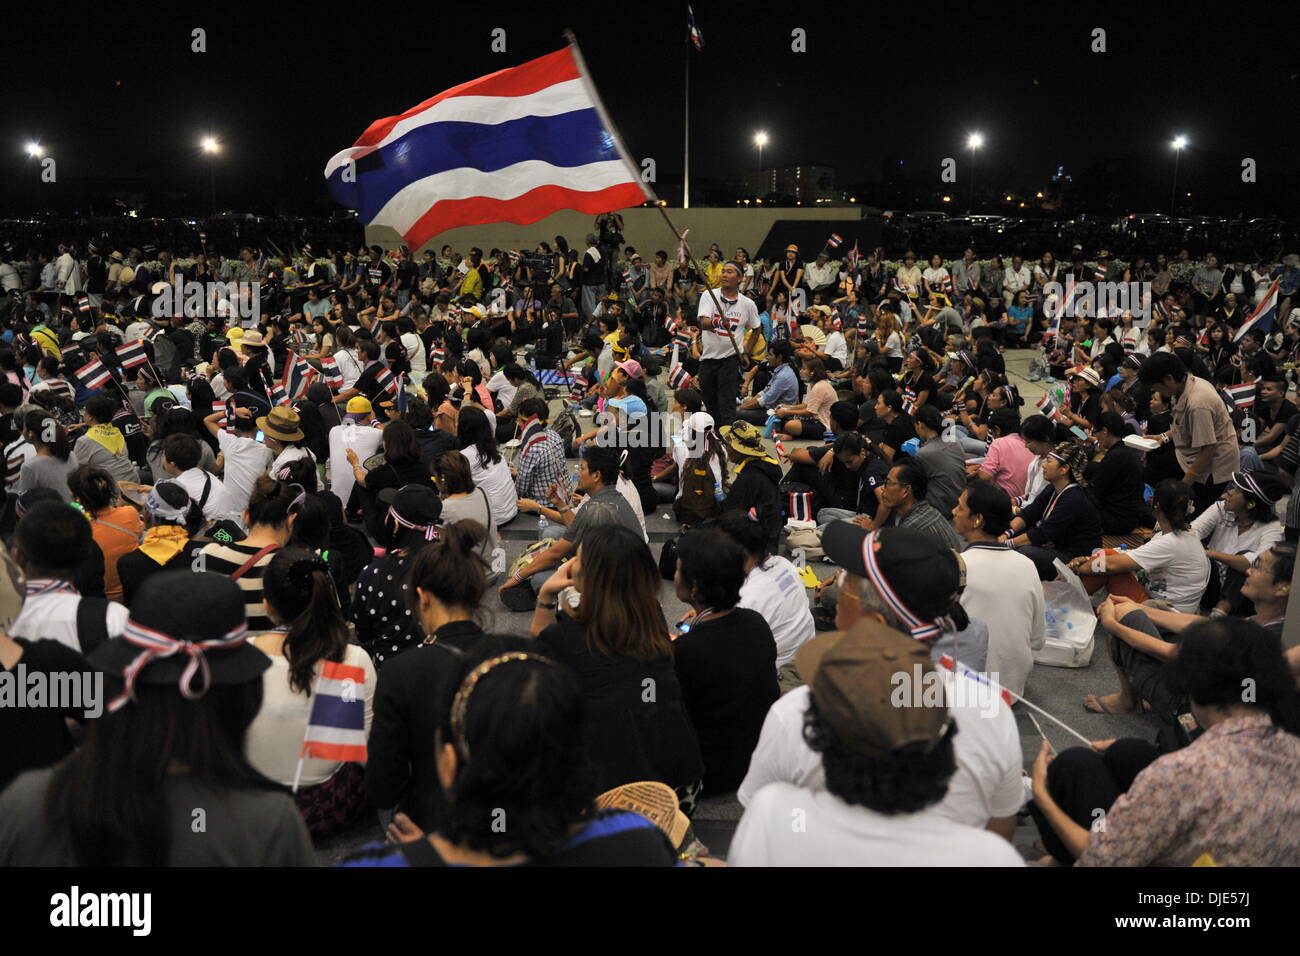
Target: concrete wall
645, 229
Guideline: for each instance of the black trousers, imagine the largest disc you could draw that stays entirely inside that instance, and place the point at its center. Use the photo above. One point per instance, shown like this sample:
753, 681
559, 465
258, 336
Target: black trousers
755, 416
1084, 782
1206, 493
719, 381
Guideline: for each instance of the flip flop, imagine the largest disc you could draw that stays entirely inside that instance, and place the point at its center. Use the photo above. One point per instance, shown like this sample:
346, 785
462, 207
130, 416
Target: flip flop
1100, 708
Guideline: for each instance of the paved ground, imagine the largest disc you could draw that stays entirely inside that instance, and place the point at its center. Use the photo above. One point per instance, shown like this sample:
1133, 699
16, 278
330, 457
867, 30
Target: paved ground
1059, 691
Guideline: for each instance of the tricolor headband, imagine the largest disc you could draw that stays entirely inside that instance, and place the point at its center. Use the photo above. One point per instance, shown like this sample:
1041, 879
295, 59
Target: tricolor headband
920, 629
430, 530
1247, 483
155, 644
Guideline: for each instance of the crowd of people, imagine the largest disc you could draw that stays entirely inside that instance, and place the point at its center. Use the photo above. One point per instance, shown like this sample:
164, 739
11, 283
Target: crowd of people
220, 512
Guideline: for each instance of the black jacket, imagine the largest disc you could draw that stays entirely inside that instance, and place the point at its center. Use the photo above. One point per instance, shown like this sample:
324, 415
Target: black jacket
1116, 483
756, 487
401, 769
1073, 525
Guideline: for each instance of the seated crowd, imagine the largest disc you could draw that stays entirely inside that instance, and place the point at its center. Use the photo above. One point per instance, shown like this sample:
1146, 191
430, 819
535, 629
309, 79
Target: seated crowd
281, 545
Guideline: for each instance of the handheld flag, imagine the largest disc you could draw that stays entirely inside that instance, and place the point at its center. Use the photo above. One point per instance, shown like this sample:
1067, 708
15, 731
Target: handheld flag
1264, 317
331, 373
93, 375
298, 374
336, 727
513, 146
387, 381
1242, 397
131, 354
835, 241
1048, 408
678, 377
800, 506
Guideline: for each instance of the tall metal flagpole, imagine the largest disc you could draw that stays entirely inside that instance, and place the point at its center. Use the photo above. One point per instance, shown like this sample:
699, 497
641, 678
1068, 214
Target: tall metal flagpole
686, 133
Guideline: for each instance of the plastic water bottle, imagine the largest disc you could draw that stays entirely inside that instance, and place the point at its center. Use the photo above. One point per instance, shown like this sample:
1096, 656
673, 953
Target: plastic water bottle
543, 527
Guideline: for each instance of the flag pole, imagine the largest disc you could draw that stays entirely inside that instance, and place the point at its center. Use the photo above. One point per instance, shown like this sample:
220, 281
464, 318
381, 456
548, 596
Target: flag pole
686, 133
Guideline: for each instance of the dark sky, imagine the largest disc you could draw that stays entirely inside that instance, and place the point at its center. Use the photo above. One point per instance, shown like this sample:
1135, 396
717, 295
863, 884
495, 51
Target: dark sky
115, 92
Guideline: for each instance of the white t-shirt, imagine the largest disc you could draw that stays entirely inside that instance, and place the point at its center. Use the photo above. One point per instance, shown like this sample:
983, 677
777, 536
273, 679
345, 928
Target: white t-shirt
786, 825
1177, 569
1034, 480
497, 484
276, 734
348, 366
1220, 533
413, 346
1003, 591
740, 316
245, 459
219, 503
501, 389
775, 590
54, 616
936, 277
291, 453
986, 783
837, 348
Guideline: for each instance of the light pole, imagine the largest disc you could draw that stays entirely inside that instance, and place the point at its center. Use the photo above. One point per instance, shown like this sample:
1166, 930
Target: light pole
974, 141
1178, 144
761, 140
211, 146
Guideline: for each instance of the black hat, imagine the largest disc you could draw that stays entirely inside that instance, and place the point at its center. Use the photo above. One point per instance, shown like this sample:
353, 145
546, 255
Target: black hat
413, 507
916, 576
186, 629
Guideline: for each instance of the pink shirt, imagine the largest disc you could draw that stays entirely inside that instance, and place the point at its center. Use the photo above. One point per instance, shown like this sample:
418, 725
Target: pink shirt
819, 400
1007, 463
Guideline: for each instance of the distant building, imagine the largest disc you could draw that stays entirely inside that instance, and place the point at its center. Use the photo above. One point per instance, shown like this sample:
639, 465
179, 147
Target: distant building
805, 183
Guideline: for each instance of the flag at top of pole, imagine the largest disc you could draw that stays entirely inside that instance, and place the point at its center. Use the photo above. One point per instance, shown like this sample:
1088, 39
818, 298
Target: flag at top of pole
512, 146
697, 38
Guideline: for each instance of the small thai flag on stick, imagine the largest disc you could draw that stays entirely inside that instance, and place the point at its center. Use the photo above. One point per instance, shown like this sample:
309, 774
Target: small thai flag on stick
131, 354
678, 377
83, 303
330, 372
298, 374
93, 375
835, 241
336, 727
387, 381
1048, 408
277, 394
1241, 396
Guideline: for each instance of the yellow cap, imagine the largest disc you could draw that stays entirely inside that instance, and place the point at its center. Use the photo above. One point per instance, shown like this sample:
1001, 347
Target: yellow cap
359, 405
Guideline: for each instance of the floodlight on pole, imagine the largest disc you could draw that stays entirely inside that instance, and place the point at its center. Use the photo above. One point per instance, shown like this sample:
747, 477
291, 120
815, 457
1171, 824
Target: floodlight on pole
211, 145
760, 140
35, 149
974, 141
1179, 144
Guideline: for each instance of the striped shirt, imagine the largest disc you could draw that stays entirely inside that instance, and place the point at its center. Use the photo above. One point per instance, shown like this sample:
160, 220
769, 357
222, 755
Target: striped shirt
925, 518
227, 559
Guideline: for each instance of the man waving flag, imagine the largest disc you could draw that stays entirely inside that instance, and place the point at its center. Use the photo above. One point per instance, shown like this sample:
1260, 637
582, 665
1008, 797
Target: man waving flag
513, 146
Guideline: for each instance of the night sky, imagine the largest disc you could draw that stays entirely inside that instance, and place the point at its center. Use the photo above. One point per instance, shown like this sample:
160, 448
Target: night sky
116, 96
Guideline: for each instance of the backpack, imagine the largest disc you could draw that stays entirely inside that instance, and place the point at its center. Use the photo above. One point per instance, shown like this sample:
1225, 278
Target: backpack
565, 424
698, 501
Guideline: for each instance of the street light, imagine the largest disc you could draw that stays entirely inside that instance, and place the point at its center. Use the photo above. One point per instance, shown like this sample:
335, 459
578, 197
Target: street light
35, 149
1178, 144
760, 140
211, 146
974, 141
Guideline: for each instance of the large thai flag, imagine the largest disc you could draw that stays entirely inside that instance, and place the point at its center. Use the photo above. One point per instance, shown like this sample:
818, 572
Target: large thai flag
1264, 317
512, 146
336, 728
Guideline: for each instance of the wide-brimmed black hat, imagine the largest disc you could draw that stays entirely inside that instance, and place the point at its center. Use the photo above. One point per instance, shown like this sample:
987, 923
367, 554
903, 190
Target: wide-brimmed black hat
187, 629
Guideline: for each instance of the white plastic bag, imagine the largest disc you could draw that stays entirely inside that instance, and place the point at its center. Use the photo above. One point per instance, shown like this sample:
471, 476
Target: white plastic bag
1071, 622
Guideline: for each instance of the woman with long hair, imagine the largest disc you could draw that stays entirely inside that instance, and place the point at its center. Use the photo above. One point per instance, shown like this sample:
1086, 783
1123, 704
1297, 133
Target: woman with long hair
812, 416
172, 740
309, 634
53, 462
488, 467
463, 501
610, 629
507, 734
445, 587
267, 518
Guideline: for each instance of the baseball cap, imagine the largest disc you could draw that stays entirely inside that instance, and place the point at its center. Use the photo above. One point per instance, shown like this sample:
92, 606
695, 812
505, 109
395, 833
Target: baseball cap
916, 576
359, 405
631, 368
852, 675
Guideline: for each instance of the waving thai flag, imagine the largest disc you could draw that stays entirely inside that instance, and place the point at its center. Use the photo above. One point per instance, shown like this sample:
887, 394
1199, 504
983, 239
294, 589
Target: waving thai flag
697, 38
1241, 396
93, 375
512, 146
387, 381
1264, 316
330, 371
298, 374
1048, 408
131, 354
678, 377
835, 241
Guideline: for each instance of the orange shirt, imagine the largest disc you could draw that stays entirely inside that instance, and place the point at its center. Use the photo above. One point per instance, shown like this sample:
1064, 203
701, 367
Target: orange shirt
117, 531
